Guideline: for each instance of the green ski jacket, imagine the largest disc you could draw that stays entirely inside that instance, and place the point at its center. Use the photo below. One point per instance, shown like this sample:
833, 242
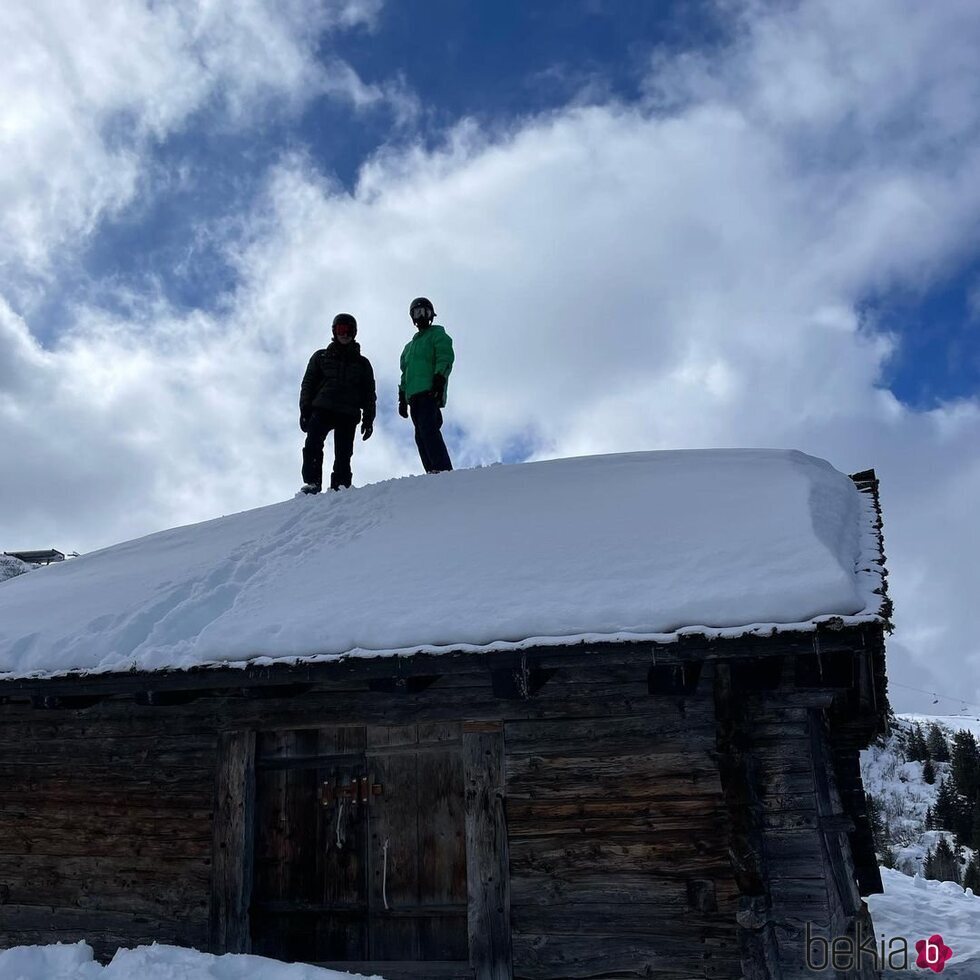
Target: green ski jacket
428, 353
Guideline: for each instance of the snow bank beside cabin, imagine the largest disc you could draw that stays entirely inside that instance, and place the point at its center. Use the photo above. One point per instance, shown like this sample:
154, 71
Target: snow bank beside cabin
917, 909
632, 546
156, 962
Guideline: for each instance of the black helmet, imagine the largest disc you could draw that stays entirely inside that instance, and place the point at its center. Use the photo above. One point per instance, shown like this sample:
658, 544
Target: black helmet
345, 318
421, 309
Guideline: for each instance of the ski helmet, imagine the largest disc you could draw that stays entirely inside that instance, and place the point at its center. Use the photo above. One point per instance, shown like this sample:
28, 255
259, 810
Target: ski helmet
421, 309
345, 319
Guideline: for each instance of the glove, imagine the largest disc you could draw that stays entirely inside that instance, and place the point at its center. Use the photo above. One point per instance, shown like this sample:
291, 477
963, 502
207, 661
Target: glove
439, 387
304, 420
402, 404
366, 429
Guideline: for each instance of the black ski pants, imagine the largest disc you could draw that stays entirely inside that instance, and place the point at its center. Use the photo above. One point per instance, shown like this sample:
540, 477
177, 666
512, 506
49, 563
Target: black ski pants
321, 422
427, 419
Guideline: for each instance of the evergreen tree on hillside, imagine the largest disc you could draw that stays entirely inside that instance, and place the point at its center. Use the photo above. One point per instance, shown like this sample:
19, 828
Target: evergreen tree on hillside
963, 819
915, 745
965, 760
928, 772
930, 819
971, 877
974, 840
942, 863
938, 746
944, 812
879, 828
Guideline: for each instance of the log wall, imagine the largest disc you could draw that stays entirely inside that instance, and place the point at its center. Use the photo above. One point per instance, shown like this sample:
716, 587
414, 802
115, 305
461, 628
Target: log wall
105, 828
620, 809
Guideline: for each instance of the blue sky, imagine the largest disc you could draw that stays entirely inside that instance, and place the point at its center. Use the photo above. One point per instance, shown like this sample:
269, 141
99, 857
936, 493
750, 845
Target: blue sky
646, 225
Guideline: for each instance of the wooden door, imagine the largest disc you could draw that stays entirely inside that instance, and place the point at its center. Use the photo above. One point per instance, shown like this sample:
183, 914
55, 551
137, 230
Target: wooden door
360, 853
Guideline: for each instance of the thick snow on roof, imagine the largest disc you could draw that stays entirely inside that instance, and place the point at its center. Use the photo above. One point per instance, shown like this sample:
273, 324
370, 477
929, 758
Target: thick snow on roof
639, 545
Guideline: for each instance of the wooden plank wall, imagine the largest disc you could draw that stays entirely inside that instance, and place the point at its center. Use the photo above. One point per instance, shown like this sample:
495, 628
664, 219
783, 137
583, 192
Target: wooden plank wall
232, 848
807, 863
105, 827
618, 831
618, 844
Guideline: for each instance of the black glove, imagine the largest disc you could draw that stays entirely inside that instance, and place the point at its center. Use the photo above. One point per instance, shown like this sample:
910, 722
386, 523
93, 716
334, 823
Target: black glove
402, 404
304, 421
366, 429
439, 387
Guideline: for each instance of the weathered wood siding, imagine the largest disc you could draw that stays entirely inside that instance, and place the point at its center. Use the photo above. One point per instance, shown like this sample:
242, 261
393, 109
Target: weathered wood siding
105, 827
619, 805
618, 843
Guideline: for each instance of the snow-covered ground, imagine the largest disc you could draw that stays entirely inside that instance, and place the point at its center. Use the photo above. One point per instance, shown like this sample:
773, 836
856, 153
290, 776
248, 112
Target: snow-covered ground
917, 909
600, 547
156, 962
954, 723
911, 906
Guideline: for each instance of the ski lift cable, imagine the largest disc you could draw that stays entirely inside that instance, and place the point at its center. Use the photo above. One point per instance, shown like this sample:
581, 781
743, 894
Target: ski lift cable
935, 694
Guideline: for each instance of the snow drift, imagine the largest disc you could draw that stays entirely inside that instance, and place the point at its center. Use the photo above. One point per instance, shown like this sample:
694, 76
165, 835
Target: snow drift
156, 962
619, 547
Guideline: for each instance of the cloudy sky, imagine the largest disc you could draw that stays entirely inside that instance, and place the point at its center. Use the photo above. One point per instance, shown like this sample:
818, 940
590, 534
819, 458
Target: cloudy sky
646, 225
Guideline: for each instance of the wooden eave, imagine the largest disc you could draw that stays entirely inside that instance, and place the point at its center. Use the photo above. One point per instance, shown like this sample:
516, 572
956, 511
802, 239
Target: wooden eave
810, 653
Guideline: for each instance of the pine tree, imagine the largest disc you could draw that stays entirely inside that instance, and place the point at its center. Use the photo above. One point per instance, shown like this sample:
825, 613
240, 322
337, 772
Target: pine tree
915, 746
928, 772
971, 877
938, 746
974, 840
879, 829
965, 759
963, 826
930, 819
944, 811
942, 864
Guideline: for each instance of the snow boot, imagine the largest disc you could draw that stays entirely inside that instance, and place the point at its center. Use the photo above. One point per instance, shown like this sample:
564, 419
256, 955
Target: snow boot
310, 488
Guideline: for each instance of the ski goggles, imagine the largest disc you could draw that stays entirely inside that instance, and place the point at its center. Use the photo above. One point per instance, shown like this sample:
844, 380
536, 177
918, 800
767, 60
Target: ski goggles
343, 330
419, 312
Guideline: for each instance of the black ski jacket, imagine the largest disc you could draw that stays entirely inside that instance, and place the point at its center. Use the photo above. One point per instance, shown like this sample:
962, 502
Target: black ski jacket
339, 378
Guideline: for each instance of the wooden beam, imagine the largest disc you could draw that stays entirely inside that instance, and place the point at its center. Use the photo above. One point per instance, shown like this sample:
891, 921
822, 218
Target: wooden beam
487, 862
756, 937
228, 680
232, 858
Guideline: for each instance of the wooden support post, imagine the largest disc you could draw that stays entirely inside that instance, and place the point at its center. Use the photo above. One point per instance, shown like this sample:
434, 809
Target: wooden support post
232, 858
487, 862
757, 941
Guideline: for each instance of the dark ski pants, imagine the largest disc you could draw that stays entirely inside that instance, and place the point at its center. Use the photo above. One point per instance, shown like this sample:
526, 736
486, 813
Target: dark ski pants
317, 429
427, 419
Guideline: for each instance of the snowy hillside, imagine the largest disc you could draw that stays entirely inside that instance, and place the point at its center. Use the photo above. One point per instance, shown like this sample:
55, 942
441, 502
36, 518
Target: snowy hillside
915, 827
605, 547
916, 909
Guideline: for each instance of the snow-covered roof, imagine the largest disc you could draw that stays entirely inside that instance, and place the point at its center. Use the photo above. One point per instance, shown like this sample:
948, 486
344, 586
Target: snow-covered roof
623, 547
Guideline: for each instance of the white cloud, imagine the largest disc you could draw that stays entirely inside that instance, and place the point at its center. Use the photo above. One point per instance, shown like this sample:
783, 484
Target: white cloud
615, 279
87, 89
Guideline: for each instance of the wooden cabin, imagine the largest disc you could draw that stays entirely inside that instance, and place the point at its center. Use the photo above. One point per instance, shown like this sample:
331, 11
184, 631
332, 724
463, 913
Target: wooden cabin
684, 807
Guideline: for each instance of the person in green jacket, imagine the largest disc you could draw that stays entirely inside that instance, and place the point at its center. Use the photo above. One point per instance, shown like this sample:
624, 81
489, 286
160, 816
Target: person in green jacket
426, 362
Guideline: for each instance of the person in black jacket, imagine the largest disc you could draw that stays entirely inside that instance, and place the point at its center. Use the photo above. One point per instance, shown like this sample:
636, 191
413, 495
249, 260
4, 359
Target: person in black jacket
337, 387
